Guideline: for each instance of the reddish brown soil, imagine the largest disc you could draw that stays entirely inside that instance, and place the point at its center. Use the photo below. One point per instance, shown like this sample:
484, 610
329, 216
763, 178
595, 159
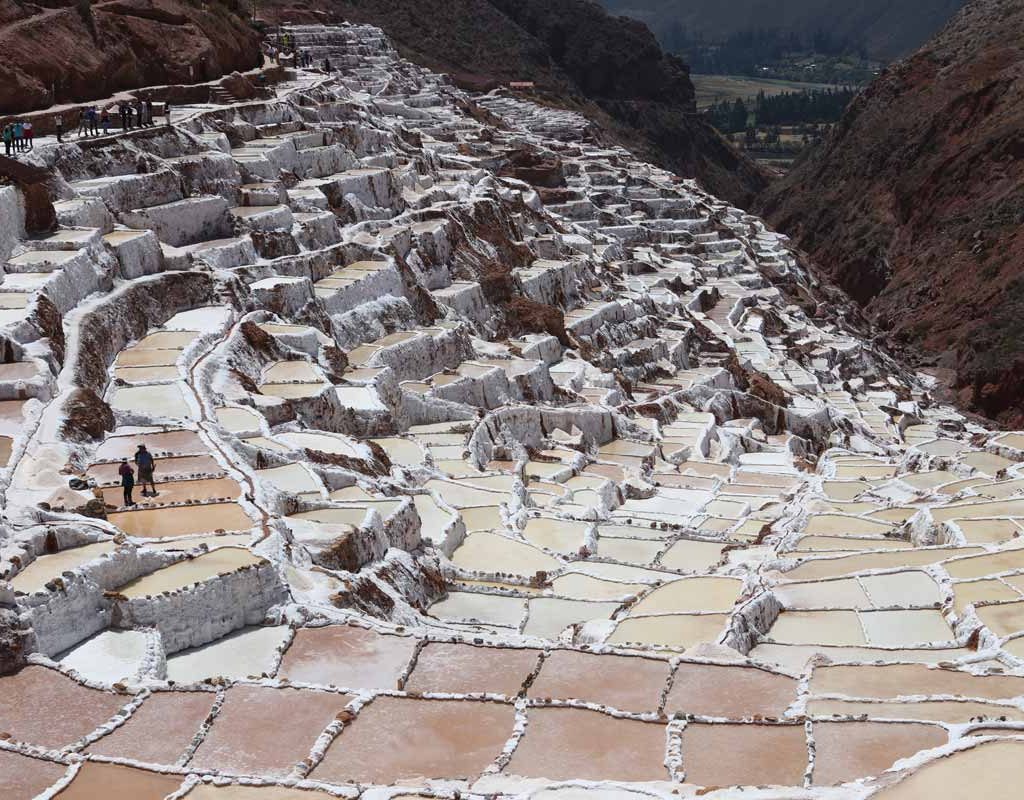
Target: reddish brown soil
69, 51
915, 206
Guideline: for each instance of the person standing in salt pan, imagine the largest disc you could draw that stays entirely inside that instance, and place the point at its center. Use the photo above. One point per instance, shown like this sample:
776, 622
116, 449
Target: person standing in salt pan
127, 481
144, 461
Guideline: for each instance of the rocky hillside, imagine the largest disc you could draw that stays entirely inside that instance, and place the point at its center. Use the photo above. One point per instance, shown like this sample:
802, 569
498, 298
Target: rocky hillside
75, 51
915, 205
609, 68
888, 28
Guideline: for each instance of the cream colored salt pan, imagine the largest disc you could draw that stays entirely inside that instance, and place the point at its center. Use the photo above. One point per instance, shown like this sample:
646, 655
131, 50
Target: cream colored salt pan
294, 478
404, 452
488, 608
292, 391
1008, 560
706, 468
266, 444
109, 656
165, 400
559, 535
481, 518
986, 590
929, 480
834, 567
192, 542
692, 556
147, 358
946, 448
795, 657
953, 712
584, 482
903, 628
871, 473
493, 483
672, 630
352, 493
333, 445
837, 525
47, 567
993, 770
898, 514
585, 587
434, 519
239, 655
651, 531
190, 491
334, 516
987, 463
690, 594
549, 616
181, 520
189, 572
1003, 619
459, 495
951, 489
491, 553
237, 420
844, 490
840, 628
287, 371
843, 593
619, 572
457, 469
545, 470
824, 544
629, 551
146, 374
1001, 489
169, 340
1014, 440
998, 508
911, 588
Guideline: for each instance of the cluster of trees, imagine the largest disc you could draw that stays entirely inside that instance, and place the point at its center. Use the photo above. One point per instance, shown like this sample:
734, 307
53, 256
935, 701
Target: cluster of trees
793, 108
818, 106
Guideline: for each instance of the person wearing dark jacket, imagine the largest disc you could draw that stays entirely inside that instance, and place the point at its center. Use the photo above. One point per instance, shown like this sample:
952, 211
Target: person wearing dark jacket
144, 461
127, 481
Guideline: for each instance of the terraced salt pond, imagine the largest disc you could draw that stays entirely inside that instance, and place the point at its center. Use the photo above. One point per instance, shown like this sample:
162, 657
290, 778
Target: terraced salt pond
188, 520
35, 576
191, 571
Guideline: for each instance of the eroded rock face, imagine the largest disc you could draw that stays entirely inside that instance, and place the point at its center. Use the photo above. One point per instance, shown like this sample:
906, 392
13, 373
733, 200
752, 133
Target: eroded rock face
96, 50
15, 641
87, 416
36, 193
914, 205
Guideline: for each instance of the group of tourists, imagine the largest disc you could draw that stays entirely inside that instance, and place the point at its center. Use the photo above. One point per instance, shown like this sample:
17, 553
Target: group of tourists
95, 121
286, 44
146, 464
18, 137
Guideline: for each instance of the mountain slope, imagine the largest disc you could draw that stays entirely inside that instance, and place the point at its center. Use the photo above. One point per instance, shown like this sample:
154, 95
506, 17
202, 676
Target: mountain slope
888, 28
915, 205
82, 51
610, 68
